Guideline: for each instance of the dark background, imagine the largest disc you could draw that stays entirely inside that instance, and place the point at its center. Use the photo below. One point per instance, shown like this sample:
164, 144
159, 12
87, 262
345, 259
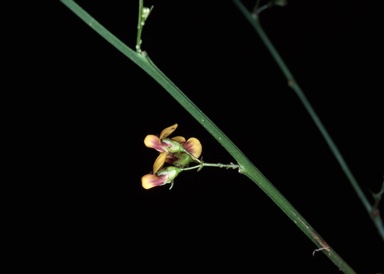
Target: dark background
87, 109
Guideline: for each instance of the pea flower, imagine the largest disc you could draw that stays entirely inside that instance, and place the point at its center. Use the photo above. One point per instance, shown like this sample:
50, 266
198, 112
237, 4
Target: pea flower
164, 176
177, 150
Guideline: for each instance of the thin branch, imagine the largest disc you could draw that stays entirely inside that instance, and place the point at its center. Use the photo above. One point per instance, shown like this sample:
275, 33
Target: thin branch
253, 19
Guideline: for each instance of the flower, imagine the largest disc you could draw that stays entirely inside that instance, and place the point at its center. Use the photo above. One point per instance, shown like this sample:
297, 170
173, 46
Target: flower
176, 150
164, 176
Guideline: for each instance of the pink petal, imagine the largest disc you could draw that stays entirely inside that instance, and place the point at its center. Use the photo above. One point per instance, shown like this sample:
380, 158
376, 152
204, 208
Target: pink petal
152, 141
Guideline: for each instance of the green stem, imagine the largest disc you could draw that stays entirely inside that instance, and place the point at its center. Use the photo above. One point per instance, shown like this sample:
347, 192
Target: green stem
262, 8
253, 19
245, 165
220, 165
143, 15
140, 25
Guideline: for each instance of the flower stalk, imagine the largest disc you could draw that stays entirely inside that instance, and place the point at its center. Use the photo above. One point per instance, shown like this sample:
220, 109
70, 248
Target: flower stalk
220, 165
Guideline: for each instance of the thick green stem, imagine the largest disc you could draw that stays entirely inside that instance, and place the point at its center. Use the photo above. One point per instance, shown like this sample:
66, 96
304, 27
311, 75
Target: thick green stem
253, 19
246, 167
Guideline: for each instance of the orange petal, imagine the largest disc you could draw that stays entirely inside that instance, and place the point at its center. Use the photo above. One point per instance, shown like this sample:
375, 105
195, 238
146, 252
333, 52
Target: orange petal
193, 146
159, 162
167, 131
152, 141
179, 139
150, 180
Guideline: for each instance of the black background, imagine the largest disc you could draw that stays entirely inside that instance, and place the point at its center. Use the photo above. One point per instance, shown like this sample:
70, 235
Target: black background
87, 109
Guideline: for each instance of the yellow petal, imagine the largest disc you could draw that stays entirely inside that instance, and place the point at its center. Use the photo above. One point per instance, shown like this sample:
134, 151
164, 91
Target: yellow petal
167, 131
179, 139
193, 146
159, 162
